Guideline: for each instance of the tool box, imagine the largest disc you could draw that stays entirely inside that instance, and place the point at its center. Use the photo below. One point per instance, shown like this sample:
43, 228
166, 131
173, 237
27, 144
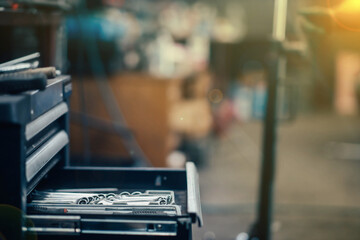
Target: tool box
34, 157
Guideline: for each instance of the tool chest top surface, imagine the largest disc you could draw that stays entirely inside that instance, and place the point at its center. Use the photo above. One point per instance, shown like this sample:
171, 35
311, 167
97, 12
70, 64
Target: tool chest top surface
27, 106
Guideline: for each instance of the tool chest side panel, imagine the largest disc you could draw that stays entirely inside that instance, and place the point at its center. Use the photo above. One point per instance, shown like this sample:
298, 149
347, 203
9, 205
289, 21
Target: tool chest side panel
16, 112
12, 177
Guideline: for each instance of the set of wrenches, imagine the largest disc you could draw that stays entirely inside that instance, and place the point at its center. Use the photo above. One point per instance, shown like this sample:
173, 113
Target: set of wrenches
149, 197
149, 202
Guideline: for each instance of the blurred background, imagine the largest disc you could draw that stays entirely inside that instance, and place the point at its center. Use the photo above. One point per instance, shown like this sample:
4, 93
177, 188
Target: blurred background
187, 81
158, 83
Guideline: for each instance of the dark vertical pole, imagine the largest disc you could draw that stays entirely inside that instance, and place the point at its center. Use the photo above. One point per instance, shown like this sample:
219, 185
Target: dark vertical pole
277, 67
269, 151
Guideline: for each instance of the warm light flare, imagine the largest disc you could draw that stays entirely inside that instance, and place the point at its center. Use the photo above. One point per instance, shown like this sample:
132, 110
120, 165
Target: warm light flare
346, 14
349, 6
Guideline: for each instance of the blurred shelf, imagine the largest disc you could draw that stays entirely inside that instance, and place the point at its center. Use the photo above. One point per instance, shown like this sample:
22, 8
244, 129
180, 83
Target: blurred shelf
29, 18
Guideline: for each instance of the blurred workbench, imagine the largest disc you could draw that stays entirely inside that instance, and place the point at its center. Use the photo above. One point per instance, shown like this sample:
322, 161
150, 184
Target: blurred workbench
157, 111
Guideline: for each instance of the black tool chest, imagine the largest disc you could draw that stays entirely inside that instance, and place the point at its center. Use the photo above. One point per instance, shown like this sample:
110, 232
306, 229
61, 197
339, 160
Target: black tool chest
34, 153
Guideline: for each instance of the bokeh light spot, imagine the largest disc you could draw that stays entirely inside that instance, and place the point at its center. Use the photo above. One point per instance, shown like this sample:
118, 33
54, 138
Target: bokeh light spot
215, 96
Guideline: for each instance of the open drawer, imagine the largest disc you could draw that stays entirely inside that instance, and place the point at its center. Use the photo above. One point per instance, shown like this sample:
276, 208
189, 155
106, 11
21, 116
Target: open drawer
104, 225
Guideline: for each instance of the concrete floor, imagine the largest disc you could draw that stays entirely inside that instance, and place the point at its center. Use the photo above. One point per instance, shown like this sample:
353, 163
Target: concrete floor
317, 184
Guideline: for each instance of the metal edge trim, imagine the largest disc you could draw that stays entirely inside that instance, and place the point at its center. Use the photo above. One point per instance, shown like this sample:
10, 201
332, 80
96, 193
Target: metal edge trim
140, 233
45, 153
53, 230
193, 192
129, 169
127, 221
53, 217
45, 120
